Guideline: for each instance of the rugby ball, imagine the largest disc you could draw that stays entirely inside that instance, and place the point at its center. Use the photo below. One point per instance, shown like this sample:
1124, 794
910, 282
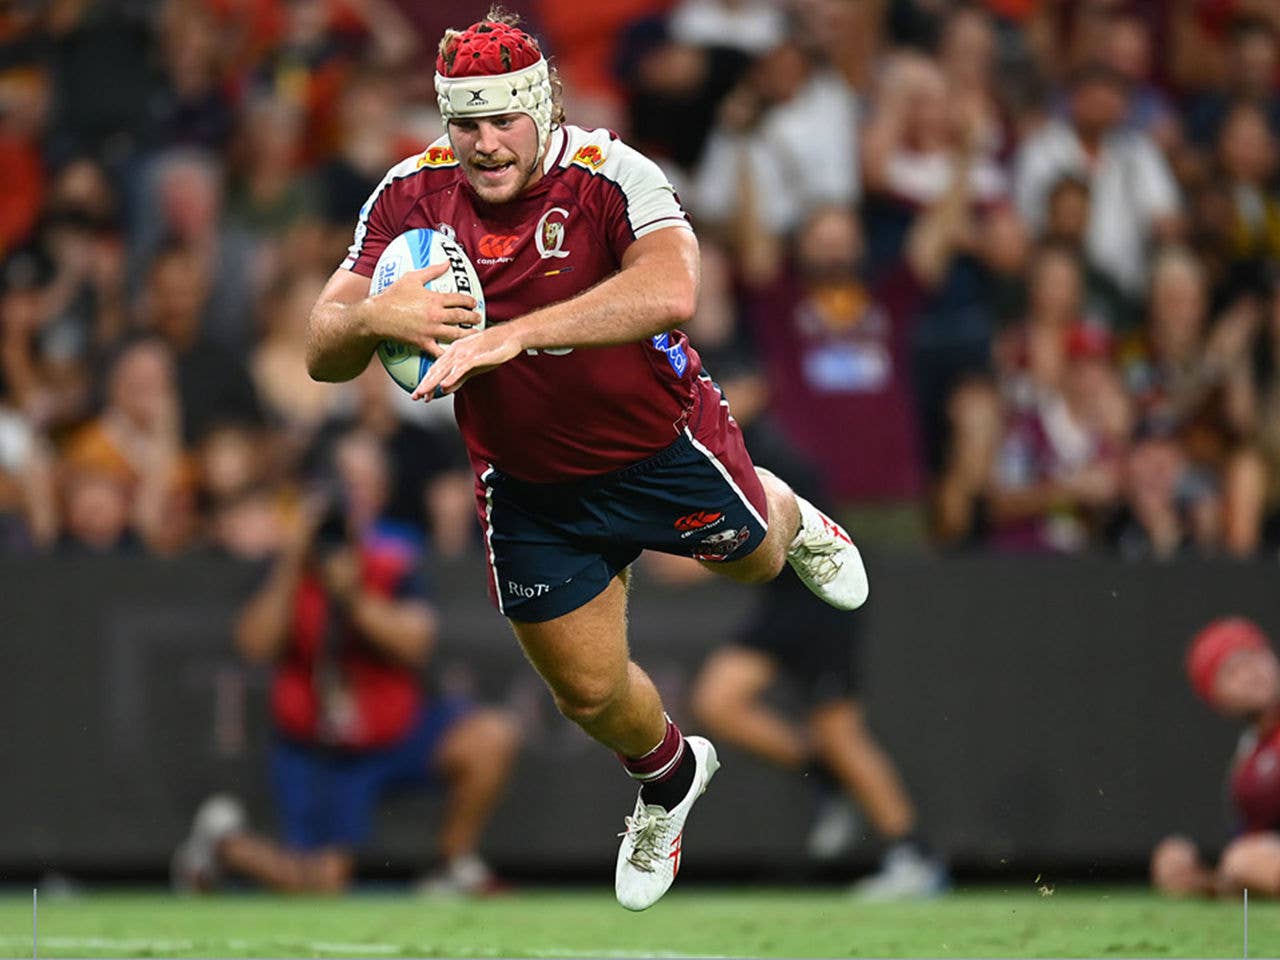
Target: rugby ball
414, 250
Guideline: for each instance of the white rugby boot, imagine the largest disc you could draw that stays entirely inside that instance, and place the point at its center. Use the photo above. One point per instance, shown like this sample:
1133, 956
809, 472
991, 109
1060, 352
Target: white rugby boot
194, 867
835, 828
824, 557
649, 857
905, 874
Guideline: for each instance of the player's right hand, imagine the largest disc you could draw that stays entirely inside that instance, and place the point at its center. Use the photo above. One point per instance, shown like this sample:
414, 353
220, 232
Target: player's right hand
410, 313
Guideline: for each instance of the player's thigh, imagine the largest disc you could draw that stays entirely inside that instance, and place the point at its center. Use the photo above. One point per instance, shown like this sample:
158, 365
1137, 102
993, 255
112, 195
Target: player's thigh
731, 678
583, 654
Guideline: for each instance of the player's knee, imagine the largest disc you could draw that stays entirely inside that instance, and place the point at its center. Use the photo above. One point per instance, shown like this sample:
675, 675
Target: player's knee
763, 565
585, 703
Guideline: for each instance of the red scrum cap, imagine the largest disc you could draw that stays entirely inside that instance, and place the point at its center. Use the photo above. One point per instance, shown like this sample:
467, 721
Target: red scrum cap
490, 68
1212, 645
486, 48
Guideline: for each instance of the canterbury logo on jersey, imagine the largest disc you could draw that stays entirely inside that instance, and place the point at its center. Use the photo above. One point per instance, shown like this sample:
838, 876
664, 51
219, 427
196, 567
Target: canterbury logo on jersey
497, 245
437, 157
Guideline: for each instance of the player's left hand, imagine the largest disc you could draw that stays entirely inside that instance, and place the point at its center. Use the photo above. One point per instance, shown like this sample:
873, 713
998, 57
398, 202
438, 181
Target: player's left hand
464, 359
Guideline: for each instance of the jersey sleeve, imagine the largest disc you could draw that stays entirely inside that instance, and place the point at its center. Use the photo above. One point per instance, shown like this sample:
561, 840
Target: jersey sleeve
642, 201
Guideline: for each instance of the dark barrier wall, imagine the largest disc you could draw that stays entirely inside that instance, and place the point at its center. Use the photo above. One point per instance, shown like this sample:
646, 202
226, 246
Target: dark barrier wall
1036, 706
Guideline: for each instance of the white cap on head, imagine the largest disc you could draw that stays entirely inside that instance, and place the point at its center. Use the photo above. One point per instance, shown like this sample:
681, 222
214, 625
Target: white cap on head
526, 91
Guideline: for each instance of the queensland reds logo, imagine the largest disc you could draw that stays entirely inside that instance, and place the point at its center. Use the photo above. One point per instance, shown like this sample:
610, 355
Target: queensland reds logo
721, 546
549, 234
496, 245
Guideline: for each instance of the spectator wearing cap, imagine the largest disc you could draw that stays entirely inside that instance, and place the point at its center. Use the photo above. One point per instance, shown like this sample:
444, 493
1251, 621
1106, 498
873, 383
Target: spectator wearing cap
1134, 199
1231, 667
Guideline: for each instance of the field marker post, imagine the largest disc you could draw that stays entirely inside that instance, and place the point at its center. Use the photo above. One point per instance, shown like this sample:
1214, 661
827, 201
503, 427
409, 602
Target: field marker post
1246, 923
35, 923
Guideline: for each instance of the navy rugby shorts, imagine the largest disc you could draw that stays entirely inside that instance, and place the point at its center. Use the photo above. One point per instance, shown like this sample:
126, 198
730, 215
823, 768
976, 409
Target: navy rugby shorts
552, 547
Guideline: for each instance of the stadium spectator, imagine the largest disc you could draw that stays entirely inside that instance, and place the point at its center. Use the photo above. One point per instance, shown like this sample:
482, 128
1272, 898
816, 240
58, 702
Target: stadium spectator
345, 620
191, 104
28, 507
677, 69
268, 202
1246, 169
432, 483
1127, 43
213, 379
1134, 197
370, 142
95, 513
1067, 224
833, 341
291, 401
180, 203
1054, 473
1192, 390
791, 125
1252, 60
920, 139
137, 442
23, 114
1233, 669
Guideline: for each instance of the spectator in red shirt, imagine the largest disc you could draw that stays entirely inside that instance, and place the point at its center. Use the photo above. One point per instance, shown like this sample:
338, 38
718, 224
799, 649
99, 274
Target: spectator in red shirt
345, 619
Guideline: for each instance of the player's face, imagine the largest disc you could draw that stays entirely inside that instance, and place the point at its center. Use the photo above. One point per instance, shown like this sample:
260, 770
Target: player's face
498, 154
1248, 682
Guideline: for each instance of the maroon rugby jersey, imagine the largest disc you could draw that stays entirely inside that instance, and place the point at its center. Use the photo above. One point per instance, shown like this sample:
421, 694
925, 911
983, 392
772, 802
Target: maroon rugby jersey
1255, 781
561, 414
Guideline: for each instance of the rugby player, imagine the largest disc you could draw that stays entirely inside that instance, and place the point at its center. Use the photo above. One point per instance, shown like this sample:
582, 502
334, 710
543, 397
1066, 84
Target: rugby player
594, 432
1233, 668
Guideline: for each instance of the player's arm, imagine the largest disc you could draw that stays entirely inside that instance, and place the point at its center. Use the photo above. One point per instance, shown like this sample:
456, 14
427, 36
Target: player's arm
346, 324
656, 290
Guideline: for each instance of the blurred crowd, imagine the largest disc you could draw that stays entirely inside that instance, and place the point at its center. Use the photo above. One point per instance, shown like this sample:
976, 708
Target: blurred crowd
1004, 271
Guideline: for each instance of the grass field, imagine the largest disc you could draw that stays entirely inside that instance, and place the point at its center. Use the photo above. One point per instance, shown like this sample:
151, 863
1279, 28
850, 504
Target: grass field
1083, 921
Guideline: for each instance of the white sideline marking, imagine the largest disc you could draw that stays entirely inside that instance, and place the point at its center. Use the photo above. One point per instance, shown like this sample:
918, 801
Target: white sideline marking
137, 945
348, 948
